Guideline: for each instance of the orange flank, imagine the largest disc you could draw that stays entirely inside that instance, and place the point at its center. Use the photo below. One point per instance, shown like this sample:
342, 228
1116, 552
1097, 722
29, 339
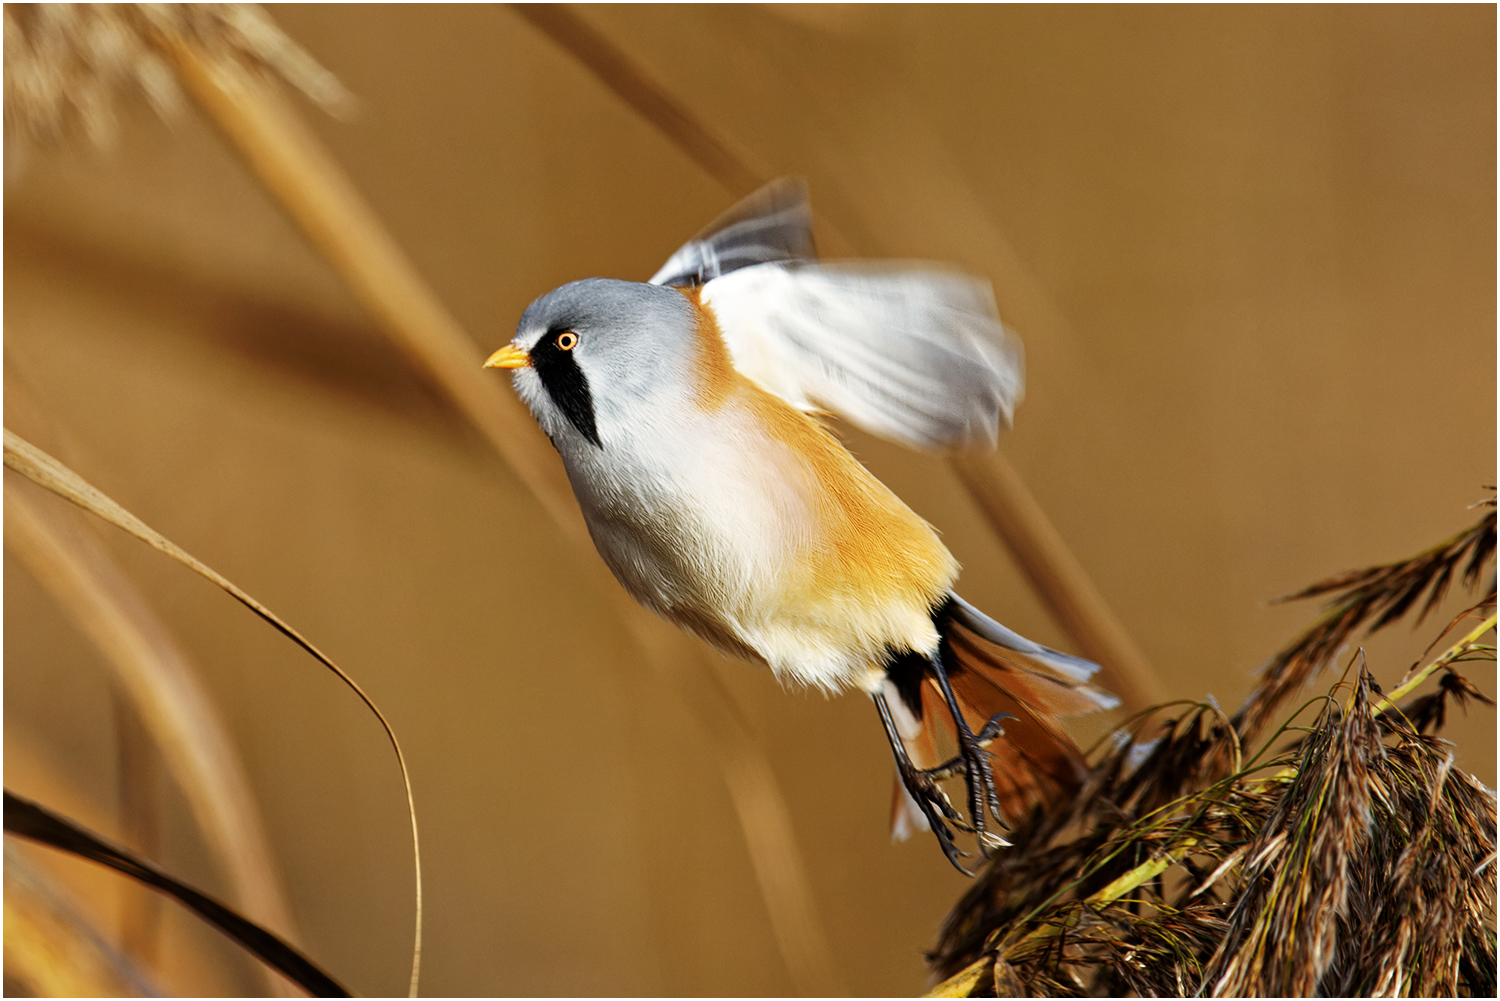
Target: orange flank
871, 552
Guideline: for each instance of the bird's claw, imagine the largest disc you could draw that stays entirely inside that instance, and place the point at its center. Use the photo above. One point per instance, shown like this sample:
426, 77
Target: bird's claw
922, 786
973, 762
992, 728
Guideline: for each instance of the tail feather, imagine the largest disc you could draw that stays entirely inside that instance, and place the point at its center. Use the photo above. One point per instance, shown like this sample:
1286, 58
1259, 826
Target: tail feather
994, 670
1032, 747
1059, 679
1017, 676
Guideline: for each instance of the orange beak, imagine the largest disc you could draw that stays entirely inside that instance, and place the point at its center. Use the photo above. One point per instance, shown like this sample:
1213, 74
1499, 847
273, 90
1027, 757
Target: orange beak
509, 356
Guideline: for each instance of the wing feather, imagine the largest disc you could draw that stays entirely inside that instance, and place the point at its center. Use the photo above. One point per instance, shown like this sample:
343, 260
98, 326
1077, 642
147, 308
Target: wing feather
773, 224
907, 351
911, 352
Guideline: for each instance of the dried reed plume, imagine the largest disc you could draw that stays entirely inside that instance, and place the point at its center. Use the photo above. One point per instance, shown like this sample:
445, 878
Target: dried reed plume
68, 66
1384, 593
1354, 860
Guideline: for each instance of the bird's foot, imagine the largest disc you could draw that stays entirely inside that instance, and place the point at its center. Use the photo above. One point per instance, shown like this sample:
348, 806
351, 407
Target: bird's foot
973, 763
922, 785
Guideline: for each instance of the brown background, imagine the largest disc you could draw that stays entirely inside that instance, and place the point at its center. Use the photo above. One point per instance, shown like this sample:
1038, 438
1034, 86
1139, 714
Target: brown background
1251, 252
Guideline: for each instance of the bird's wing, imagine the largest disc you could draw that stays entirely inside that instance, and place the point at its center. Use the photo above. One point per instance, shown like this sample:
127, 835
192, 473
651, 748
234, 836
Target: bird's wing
773, 224
911, 352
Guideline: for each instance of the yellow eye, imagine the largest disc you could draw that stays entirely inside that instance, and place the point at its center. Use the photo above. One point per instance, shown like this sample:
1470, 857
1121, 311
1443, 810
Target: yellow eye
567, 341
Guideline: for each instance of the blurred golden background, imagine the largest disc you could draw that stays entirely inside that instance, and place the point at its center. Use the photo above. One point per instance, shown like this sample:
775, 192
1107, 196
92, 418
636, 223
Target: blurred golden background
1251, 253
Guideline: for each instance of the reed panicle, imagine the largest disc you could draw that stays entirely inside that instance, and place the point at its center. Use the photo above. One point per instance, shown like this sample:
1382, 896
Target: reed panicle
69, 66
1378, 596
1345, 856
1296, 882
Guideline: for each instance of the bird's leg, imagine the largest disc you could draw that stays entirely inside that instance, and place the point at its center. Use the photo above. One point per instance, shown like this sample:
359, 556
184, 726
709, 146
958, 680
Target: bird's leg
922, 786
974, 759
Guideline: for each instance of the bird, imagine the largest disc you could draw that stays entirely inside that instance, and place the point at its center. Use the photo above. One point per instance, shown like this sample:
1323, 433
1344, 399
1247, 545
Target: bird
691, 413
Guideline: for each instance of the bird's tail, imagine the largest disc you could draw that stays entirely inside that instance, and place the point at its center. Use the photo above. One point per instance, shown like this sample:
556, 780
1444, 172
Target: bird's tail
994, 670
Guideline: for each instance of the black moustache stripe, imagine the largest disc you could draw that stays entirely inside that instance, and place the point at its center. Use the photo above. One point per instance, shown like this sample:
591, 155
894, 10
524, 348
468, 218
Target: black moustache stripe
567, 385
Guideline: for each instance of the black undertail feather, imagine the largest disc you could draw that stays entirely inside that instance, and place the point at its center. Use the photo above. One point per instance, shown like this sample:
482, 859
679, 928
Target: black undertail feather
906, 668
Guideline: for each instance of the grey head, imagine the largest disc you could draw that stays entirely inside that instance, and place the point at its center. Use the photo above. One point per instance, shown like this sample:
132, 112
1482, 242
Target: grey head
601, 353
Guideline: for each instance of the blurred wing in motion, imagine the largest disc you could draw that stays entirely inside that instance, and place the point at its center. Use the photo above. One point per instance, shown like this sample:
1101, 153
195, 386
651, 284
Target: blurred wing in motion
911, 352
773, 224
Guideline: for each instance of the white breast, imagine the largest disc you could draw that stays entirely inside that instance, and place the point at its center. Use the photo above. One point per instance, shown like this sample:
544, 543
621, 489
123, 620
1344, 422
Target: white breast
697, 522
714, 524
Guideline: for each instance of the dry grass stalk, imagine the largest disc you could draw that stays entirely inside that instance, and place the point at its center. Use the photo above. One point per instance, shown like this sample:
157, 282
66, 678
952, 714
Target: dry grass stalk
163, 690
138, 787
47, 472
165, 718
321, 199
1355, 861
1382, 594
35, 822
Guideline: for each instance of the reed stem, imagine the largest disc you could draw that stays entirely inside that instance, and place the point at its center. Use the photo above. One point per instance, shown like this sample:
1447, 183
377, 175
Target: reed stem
321, 199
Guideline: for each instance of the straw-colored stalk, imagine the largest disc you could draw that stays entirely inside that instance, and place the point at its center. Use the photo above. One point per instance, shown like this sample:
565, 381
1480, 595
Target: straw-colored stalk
138, 782
45, 471
163, 692
323, 202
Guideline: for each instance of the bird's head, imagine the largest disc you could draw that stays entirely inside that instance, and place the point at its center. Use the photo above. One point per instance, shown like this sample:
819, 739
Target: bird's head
596, 354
